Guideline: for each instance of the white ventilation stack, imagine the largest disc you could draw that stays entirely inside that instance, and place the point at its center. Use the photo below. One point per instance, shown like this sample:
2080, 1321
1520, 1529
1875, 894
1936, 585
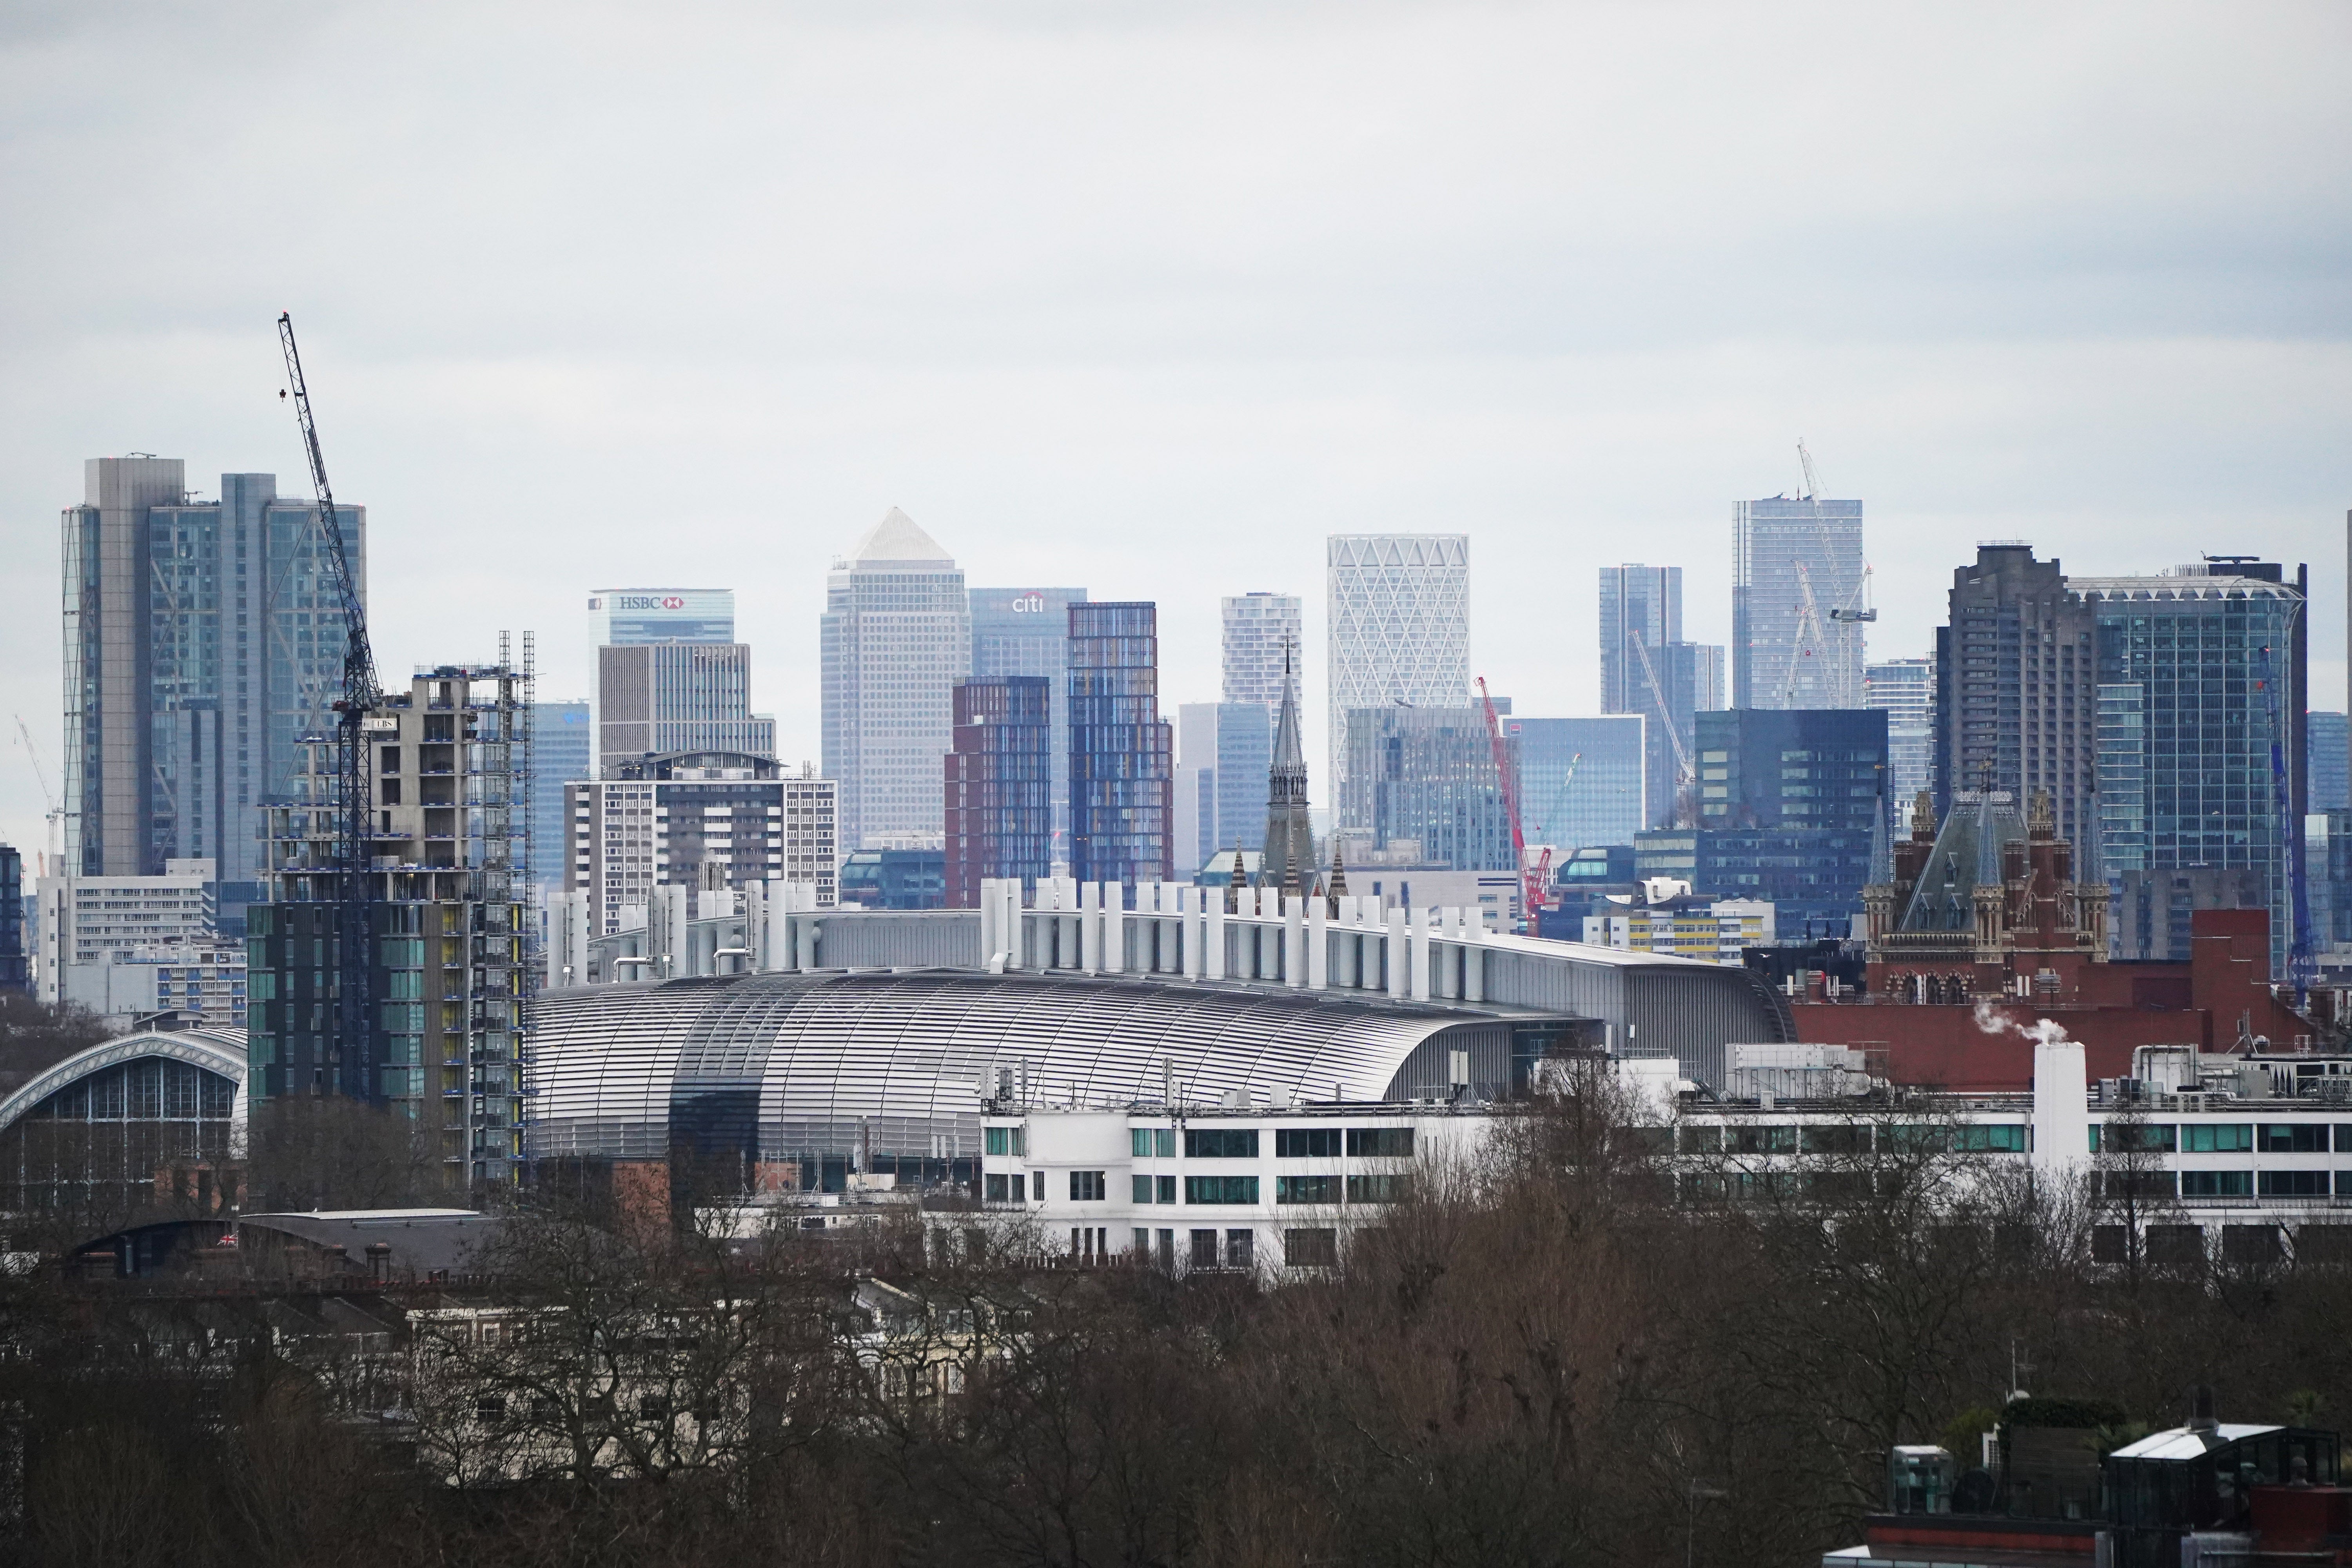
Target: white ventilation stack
2062, 1111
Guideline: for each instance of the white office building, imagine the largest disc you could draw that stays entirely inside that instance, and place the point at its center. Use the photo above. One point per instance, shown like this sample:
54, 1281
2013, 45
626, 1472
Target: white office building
1263, 634
88, 921
896, 637
1399, 629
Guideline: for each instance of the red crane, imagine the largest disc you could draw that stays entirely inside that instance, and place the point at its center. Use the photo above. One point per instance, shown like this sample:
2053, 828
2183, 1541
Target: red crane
1532, 881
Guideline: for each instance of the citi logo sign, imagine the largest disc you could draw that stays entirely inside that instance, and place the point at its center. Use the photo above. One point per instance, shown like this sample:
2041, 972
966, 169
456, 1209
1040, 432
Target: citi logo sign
1029, 604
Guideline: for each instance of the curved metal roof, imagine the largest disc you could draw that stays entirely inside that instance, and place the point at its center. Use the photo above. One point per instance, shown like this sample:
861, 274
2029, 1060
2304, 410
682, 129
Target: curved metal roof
900, 1060
215, 1050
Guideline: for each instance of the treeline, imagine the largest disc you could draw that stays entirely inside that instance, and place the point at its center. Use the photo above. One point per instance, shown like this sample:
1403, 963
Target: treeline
1548, 1360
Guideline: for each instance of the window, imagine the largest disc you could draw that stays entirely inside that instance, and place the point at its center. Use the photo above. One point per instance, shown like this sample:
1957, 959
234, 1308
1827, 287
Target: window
1241, 1248
1306, 1143
1219, 1189
1204, 1249
995, 1189
1998, 1138
1142, 1187
2144, 1137
1167, 1188
2217, 1184
1378, 1189
1140, 1142
2139, 1185
2295, 1183
1702, 1140
1763, 1140
1164, 1143
1306, 1189
2292, 1137
2217, 1138
1829, 1138
1310, 1249
1087, 1187
1381, 1142
1221, 1143
1142, 1242
1005, 1140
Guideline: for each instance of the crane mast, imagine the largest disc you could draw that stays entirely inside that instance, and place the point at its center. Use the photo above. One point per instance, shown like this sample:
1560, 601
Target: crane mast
1530, 883
352, 799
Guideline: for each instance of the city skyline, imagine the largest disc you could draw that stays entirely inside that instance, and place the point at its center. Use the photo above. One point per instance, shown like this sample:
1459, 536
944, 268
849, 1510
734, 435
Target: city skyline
1178, 394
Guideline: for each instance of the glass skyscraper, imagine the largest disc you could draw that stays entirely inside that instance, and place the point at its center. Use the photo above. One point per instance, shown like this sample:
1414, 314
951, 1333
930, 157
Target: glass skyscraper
559, 755
999, 782
201, 639
1121, 753
895, 638
1223, 753
670, 677
1399, 628
1426, 775
1026, 631
2201, 681
1797, 575
2331, 788
1581, 780
1906, 689
1647, 668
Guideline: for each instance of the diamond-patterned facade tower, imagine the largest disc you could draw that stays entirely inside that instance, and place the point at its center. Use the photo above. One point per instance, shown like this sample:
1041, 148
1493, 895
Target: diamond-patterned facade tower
1399, 616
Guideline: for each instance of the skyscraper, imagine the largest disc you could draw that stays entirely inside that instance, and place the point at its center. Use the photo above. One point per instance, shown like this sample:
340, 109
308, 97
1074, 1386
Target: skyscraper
1906, 689
2202, 676
1647, 668
1026, 631
1399, 625
1427, 776
1797, 579
201, 638
1581, 780
1121, 749
2014, 708
2331, 789
560, 754
896, 637
1261, 636
670, 677
1224, 752
999, 784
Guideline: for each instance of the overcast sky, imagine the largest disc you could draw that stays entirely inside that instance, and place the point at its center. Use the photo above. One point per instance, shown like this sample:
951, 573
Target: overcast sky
1150, 297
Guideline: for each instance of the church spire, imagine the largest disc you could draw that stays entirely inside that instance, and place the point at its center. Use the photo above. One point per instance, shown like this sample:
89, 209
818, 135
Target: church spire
1289, 837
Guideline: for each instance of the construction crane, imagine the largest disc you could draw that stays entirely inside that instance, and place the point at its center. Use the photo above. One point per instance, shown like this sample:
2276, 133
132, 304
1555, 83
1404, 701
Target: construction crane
353, 798
1854, 610
1684, 773
2300, 966
1530, 885
52, 861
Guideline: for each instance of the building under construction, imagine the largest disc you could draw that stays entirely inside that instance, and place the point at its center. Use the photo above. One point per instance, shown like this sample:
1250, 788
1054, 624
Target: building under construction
448, 766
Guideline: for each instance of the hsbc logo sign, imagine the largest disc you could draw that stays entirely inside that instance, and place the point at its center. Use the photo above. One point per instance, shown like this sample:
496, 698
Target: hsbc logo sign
648, 602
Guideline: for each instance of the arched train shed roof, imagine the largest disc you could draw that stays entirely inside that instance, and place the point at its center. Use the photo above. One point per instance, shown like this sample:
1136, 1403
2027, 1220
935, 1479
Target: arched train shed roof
219, 1051
900, 1062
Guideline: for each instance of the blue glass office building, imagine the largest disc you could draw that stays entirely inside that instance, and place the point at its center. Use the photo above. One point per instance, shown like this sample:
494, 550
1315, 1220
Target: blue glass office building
560, 734
1122, 754
2202, 748
1583, 782
999, 784
1026, 631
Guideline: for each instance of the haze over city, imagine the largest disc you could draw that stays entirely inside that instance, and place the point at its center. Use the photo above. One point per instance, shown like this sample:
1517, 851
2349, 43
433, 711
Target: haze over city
1151, 299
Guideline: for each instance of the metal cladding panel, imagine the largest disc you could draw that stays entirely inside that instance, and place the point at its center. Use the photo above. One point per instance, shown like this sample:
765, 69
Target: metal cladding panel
899, 1064
607, 1055
924, 939
1546, 983
1693, 1017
